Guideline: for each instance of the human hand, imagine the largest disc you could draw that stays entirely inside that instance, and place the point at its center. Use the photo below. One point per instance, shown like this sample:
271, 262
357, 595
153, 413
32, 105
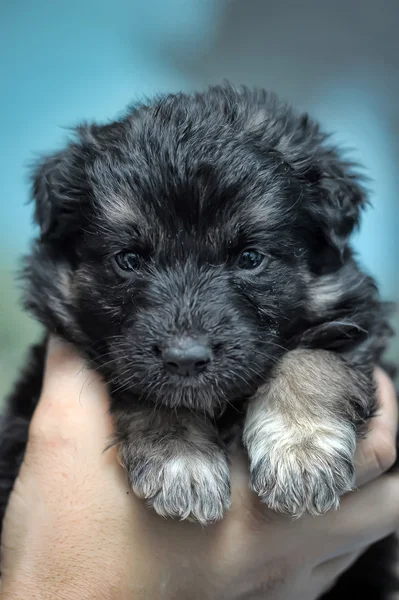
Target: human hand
73, 529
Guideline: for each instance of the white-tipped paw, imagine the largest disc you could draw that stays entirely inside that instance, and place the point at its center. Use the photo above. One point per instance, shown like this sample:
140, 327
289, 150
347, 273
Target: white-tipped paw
192, 487
308, 476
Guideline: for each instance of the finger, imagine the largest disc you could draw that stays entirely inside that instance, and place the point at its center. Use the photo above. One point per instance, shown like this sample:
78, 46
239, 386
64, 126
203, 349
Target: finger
365, 516
377, 452
74, 401
69, 433
324, 575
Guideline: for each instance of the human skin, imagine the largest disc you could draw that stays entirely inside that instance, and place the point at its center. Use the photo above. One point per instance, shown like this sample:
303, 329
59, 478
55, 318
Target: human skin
74, 529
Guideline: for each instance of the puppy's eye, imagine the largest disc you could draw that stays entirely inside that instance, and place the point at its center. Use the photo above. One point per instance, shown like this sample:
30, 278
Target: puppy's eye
127, 261
250, 259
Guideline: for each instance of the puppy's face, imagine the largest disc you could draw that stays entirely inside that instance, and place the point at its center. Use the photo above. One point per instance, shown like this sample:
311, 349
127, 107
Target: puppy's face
188, 288
177, 248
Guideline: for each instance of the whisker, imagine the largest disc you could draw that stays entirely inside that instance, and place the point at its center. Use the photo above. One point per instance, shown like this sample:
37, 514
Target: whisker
277, 346
107, 363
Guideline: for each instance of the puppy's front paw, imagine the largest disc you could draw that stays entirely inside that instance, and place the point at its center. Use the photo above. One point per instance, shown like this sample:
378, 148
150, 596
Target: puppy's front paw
300, 433
191, 486
307, 475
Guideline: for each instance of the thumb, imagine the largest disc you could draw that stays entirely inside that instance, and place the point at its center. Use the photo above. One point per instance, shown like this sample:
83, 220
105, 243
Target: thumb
74, 402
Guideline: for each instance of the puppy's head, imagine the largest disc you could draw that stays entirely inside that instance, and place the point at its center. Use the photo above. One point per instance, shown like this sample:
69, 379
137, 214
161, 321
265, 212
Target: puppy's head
179, 245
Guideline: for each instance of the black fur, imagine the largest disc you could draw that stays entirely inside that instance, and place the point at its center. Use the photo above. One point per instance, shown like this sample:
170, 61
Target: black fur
188, 182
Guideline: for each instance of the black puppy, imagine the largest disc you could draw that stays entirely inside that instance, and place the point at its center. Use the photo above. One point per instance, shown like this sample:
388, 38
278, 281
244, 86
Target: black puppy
197, 251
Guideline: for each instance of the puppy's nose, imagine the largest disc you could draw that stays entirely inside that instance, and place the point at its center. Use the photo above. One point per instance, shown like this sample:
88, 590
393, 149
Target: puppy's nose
186, 357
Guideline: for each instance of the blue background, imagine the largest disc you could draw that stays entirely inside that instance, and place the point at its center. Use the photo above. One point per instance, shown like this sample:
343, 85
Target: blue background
63, 62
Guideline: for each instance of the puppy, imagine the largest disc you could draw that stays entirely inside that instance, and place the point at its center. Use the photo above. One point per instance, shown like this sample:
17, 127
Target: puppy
197, 250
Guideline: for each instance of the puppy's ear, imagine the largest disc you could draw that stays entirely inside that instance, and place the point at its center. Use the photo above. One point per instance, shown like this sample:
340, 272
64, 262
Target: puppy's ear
60, 192
336, 194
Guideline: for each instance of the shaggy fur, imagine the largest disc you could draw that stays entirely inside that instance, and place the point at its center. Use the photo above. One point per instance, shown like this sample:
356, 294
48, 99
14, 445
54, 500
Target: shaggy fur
220, 219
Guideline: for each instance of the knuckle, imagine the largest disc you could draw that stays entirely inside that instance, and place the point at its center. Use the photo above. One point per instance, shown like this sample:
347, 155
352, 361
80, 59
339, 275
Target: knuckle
50, 432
